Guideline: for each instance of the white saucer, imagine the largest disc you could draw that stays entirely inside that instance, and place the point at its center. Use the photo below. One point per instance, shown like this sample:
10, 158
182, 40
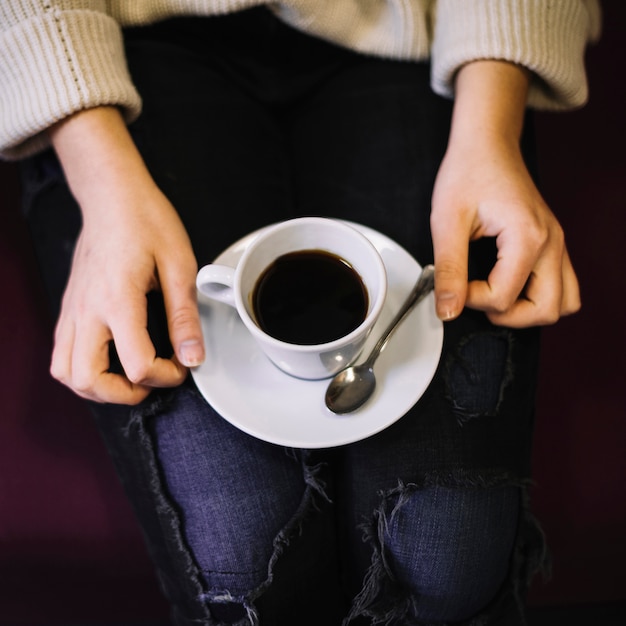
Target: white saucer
245, 388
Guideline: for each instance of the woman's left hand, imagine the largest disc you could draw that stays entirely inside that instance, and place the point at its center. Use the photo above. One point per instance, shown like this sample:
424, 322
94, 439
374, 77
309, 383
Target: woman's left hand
483, 189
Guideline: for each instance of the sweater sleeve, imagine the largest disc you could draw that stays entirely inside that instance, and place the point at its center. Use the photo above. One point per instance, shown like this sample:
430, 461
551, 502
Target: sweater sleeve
57, 58
548, 37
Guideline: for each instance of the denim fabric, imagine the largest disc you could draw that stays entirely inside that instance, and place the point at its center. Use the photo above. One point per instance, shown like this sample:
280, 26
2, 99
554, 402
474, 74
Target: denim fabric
246, 122
442, 552
448, 547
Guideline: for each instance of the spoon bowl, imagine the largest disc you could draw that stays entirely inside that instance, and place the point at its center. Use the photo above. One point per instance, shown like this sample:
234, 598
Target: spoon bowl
354, 385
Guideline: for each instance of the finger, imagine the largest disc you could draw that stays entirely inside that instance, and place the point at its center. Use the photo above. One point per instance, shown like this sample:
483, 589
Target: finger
61, 362
571, 301
181, 306
507, 279
451, 249
136, 351
91, 378
542, 298
539, 306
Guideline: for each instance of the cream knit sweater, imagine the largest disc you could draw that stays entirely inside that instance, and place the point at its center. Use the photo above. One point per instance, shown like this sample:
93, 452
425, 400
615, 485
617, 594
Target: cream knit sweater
60, 56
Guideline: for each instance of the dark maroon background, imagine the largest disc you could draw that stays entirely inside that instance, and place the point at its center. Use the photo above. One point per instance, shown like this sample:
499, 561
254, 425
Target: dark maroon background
69, 547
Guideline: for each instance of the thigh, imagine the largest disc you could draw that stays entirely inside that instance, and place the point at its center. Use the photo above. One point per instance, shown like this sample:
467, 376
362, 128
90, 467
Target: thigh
222, 512
235, 492
232, 523
367, 148
253, 515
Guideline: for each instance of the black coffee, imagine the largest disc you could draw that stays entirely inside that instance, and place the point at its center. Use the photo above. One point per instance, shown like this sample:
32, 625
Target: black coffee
309, 297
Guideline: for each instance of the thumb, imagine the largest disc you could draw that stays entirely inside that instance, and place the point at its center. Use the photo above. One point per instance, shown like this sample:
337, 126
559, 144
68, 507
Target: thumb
451, 249
183, 319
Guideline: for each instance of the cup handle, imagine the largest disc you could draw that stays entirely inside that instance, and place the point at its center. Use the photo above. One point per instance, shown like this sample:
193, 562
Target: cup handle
216, 281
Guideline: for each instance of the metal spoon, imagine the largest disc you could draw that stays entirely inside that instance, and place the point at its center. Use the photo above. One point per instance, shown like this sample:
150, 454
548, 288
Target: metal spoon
353, 386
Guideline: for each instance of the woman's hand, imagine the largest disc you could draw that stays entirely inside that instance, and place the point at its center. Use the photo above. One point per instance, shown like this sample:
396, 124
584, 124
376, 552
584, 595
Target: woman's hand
483, 189
132, 242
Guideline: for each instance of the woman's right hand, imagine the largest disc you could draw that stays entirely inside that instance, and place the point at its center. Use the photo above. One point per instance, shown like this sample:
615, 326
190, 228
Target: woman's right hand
132, 242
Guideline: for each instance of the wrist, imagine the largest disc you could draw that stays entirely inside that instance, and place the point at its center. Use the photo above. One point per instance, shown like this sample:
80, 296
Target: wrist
490, 104
98, 155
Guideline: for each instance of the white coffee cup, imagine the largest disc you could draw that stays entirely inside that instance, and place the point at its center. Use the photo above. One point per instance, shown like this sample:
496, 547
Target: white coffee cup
237, 286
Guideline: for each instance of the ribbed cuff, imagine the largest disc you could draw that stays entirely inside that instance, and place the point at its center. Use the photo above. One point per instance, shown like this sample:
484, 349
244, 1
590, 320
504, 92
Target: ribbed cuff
547, 37
57, 64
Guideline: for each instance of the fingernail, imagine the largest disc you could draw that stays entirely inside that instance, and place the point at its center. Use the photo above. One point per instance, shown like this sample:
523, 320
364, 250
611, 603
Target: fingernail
191, 353
447, 305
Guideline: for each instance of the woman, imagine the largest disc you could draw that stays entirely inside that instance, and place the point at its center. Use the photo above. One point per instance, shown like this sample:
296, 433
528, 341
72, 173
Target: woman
406, 117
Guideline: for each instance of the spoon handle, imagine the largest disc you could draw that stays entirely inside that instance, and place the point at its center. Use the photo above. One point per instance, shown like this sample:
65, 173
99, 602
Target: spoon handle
422, 288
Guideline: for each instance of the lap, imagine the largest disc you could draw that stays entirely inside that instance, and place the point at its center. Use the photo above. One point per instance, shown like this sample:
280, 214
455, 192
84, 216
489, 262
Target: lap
234, 149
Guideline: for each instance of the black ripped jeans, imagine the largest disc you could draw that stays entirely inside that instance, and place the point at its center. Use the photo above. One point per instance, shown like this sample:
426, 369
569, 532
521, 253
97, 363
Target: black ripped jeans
423, 523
